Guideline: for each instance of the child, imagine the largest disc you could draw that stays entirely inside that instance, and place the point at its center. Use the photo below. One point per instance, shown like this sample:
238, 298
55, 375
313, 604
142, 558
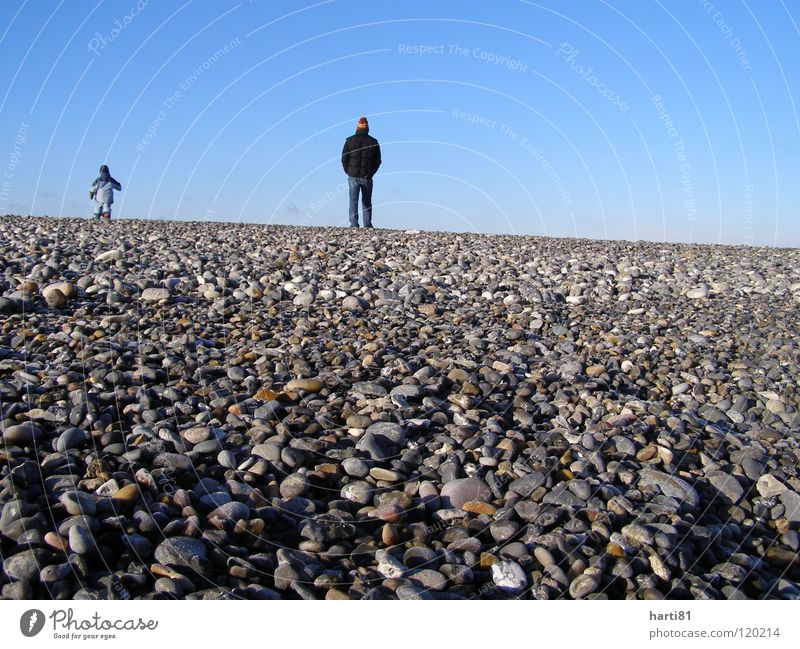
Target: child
102, 192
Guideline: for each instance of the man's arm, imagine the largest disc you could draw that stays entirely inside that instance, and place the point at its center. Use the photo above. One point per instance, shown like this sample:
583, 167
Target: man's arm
376, 162
345, 156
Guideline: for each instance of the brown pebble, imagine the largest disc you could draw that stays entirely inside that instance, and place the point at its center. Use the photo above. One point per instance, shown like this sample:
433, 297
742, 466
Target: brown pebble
128, 494
427, 309
329, 469
335, 593
385, 474
506, 444
306, 385
615, 550
593, 371
647, 453
487, 560
264, 394
240, 572
55, 299
782, 525
311, 546
389, 512
780, 557
390, 535
478, 507
55, 541
504, 468
164, 571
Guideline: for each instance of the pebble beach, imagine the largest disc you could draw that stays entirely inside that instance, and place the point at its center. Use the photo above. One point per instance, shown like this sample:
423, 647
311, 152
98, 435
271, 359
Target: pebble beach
195, 410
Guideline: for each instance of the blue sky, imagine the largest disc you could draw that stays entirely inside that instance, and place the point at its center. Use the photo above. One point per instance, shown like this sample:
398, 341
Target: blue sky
636, 119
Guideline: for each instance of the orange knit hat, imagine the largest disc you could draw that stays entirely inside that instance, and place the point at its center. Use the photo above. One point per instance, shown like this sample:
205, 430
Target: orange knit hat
363, 124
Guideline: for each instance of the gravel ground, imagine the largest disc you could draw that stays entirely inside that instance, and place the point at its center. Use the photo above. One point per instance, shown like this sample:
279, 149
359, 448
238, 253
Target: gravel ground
208, 410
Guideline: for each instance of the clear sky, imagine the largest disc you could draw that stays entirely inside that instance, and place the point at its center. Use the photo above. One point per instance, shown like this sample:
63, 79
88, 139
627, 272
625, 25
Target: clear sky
623, 119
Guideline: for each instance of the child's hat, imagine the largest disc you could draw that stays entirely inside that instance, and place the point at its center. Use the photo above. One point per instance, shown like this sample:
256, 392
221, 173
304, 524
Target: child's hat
104, 169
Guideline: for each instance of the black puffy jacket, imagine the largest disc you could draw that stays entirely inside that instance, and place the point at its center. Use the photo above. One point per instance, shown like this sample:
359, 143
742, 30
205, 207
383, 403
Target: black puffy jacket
361, 156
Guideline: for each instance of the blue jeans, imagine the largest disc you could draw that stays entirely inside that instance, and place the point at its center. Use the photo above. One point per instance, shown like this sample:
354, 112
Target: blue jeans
364, 185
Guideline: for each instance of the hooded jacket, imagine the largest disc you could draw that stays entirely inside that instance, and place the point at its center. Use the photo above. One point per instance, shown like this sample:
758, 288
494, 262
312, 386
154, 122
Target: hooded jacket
361, 155
103, 188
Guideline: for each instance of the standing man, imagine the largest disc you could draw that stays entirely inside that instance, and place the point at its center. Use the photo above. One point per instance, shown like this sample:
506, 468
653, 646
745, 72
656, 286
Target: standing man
361, 157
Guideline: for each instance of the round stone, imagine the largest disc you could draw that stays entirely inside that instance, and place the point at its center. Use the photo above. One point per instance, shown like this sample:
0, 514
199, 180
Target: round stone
22, 434
457, 492
78, 502
231, 511
390, 535
180, 550
71, 438
197, 434
25, 565
293, 485
769, 486
509, 577
81, 541
352, 303
355, 467
67, 289
385, 474
583, 585
428, 579
359, 492
55, 299
155, 294
697, 293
